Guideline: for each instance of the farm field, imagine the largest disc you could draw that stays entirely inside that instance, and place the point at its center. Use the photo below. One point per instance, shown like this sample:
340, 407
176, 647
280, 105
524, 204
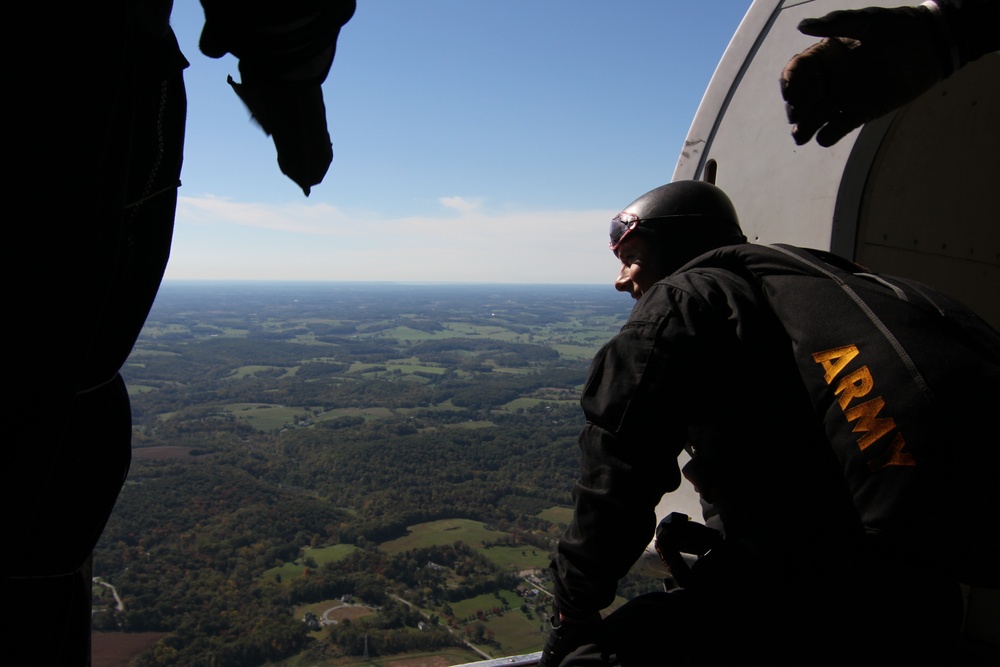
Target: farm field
445, 531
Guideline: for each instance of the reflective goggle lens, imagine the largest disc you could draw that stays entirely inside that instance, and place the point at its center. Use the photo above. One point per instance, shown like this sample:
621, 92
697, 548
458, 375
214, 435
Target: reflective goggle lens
621, 225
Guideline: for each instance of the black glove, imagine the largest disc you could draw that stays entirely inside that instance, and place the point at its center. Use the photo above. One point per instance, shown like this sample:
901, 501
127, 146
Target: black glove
285, 52
565, 637
294, 115
872, 61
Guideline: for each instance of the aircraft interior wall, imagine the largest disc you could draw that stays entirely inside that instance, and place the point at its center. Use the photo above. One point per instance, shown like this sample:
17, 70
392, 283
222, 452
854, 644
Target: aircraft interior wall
912, 194
928, 204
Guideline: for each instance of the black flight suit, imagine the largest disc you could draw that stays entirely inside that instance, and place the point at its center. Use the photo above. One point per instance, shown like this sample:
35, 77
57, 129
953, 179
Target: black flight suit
817, 554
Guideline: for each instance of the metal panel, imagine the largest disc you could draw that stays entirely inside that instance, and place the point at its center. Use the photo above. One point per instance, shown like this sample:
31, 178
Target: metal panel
783, 192
512, 661
909, 194
928, 209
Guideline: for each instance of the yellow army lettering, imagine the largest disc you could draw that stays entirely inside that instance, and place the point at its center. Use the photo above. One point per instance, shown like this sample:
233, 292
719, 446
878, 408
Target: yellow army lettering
855, 385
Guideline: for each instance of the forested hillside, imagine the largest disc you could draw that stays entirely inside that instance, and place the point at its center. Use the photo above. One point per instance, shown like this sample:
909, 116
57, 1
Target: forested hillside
277, 421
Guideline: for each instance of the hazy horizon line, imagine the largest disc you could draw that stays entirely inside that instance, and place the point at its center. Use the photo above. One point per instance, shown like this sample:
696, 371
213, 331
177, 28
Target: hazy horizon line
327, 281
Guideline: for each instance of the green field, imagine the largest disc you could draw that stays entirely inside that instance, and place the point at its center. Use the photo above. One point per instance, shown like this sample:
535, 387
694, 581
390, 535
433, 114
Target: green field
581, 352
367, 413
263, 416
267, 417
446, 531
415, 367
249, 371
329, 554
467, 329
485, 602
320, 555
557, 515
525, 402
473, 533
518, 557
517, 633
470, 424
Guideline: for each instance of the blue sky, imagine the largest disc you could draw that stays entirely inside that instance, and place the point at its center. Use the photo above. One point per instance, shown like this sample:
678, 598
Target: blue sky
485, 141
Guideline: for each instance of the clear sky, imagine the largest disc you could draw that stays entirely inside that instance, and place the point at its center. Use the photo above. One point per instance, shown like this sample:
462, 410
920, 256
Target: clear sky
474, 141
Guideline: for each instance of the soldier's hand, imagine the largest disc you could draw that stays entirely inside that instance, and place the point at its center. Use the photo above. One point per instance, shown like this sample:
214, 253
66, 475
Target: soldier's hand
565, 637
294, 116
870, 62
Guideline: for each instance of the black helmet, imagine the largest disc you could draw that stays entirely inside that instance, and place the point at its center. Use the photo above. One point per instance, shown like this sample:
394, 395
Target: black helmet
684, 219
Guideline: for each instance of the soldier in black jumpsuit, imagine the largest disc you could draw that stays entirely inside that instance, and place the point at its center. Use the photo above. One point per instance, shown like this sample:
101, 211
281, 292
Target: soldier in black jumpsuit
832, 552
95, 142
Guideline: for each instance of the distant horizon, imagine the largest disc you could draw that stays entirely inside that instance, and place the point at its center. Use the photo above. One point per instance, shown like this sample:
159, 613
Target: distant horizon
415, 283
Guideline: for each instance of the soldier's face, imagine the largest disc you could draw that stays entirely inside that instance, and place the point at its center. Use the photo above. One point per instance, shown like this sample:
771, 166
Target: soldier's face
640, 266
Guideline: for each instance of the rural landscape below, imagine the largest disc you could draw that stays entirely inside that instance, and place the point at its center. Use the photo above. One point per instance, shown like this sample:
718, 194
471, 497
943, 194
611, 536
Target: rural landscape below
346, 473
